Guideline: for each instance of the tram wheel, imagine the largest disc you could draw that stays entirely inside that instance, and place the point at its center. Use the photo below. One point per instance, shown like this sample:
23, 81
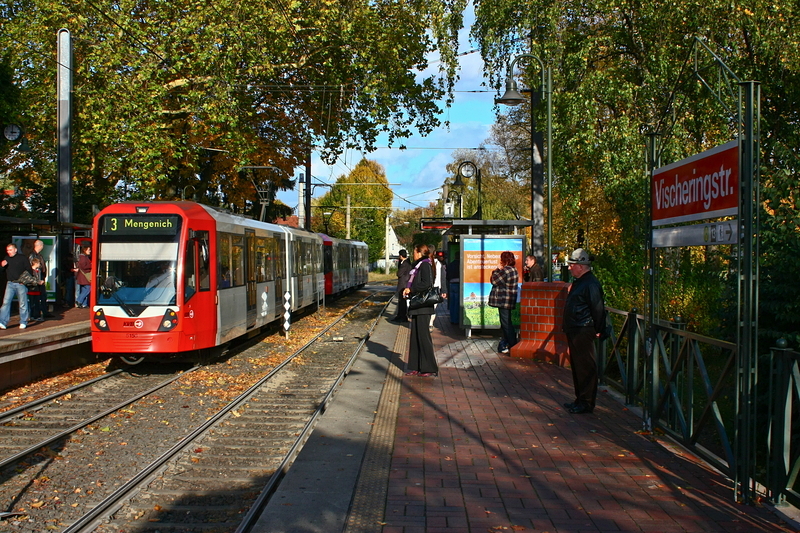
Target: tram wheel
131, 360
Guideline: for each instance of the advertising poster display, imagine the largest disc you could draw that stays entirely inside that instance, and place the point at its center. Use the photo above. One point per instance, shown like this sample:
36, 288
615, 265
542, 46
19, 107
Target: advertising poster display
480, 255
25, 247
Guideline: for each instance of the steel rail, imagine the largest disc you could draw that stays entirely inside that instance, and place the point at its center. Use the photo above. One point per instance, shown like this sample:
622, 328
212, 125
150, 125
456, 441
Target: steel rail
255, 510
115, 500
11, 413
68, 431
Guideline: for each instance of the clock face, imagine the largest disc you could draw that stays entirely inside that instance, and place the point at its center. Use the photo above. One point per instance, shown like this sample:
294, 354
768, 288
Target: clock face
467, 170
12, 132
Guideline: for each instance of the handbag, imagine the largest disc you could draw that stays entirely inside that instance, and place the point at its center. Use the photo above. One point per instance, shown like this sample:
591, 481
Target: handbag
428, 298
28, 280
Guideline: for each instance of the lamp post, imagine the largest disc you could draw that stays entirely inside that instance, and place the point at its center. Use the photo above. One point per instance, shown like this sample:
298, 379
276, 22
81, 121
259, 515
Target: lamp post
468, 169
513, 97
449, 209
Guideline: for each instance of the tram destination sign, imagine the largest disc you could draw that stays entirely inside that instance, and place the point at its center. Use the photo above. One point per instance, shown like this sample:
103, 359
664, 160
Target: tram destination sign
140, 225
700, 187
710, 234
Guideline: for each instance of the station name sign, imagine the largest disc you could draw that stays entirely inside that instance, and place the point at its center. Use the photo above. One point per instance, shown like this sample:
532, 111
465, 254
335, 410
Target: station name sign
703, 186
140, 225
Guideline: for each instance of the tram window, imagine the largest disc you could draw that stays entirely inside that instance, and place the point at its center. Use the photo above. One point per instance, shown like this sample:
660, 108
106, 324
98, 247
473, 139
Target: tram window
224, 253
261, 261
296, 259
237, 259
203, 256
270, 244
252, 270
280, 261
305, 250
189, 272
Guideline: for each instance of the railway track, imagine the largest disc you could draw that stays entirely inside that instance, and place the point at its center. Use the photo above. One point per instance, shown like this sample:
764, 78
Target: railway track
27, 429
185, 448
218, 477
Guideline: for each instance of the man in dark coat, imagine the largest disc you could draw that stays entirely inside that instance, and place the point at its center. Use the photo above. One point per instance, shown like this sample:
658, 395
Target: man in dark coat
15, 264
584, 321
403, 271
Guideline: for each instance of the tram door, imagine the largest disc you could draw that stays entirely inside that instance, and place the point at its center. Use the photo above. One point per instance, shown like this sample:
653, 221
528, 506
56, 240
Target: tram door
250, 277
198, 324
299, 265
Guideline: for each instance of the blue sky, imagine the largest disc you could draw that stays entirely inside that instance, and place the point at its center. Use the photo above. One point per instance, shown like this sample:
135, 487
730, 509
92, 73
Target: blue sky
422, 166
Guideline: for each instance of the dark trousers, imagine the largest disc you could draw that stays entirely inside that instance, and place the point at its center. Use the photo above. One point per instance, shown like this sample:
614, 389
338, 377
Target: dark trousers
38, 303
402, 307
420, 352
584, 364
509, 332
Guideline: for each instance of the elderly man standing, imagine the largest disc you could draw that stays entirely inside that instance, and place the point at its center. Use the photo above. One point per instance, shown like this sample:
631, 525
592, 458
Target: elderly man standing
584, 321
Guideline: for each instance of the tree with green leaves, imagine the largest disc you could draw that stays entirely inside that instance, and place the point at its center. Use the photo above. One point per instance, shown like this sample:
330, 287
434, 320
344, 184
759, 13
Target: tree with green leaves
178, 96
370, 200
625, 69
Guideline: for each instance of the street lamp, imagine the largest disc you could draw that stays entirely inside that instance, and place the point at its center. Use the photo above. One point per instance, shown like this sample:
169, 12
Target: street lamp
513, 97
468, 169
449, 196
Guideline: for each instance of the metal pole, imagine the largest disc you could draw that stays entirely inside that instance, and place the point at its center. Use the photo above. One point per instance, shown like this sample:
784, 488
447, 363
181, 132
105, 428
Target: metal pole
480, 197
301, 205
308, 190
537, 187
347, 217
744, 482
549, 271
650, 352
386, 246
64, 126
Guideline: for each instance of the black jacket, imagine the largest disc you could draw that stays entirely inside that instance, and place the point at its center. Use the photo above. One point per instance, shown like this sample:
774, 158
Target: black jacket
423, 280
15, 265
585, 305
403, 270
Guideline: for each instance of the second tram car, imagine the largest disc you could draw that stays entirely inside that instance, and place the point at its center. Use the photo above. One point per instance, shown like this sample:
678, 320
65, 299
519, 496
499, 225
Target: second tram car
175, 277
344, 263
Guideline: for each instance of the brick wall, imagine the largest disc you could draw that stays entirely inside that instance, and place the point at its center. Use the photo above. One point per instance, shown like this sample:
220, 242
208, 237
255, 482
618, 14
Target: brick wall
541, 312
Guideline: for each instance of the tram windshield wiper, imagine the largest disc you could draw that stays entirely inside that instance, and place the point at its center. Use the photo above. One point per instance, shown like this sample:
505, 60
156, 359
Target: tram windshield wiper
109, 288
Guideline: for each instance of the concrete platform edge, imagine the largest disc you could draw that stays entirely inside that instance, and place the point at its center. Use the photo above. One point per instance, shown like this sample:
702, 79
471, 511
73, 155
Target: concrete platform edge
319, 489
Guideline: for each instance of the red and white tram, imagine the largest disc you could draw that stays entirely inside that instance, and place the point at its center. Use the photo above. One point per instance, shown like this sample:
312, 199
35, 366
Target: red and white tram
176, 277
345, 264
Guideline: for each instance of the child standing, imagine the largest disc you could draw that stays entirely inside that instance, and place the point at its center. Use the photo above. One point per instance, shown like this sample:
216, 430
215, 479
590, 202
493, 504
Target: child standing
34, 295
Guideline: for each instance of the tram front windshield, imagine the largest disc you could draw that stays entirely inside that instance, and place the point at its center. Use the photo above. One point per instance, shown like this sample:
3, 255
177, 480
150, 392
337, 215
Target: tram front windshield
137, 266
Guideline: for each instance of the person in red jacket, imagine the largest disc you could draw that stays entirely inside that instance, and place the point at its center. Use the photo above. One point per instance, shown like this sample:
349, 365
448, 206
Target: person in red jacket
84, 274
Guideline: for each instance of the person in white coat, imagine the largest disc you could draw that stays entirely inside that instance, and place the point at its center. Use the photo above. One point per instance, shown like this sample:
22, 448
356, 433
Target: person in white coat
441, 273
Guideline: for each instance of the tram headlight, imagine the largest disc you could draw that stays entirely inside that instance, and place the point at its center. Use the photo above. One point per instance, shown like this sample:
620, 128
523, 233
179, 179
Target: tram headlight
99, 319
169, 321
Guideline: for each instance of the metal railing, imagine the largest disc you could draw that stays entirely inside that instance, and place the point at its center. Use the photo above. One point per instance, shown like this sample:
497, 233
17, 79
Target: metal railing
783, 455
685, 382
687, 386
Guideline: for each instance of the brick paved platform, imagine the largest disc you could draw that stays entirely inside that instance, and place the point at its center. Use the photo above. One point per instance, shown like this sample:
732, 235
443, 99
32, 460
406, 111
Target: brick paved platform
487, 446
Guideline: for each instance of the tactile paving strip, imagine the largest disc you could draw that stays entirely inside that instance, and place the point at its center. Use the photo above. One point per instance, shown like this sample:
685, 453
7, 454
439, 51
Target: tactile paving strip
369, 502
